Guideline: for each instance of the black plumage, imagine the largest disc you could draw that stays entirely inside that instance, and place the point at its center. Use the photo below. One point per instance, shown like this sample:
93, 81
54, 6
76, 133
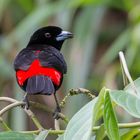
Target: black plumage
40, 66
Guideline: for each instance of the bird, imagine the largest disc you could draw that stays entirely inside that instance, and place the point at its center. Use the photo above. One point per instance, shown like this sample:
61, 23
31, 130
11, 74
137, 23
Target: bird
39, 68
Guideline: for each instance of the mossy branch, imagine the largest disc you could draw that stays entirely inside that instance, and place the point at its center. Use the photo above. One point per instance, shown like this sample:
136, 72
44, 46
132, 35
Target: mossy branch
4, 125
76, 92
15, 103
94, 129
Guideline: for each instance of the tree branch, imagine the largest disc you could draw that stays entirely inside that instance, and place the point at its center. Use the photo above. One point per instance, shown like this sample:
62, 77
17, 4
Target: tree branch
52, 132
16, 103
34, 119
4, 125
75, 92
95, 128
8, 107
29, 112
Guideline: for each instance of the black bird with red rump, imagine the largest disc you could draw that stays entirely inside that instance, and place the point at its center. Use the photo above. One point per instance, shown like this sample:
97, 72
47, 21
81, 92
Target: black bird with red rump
40, 66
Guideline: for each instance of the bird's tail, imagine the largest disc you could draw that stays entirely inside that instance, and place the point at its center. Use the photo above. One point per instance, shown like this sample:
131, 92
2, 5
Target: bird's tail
40, 84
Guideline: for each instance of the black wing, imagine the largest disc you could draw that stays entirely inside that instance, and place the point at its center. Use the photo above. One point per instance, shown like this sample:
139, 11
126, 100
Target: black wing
24, 59
51, 57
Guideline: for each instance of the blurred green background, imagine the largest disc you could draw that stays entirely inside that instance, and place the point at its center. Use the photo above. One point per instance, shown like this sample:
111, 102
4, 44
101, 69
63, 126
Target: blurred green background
101, 29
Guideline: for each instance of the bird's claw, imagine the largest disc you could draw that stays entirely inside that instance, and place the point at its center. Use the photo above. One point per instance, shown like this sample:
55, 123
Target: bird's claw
26, 101
56, 113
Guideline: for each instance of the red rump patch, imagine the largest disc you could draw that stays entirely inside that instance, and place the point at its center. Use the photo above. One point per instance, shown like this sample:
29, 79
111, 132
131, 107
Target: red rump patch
36, 69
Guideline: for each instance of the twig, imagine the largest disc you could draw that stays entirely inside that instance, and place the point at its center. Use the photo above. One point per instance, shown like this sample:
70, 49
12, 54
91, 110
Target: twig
29, 112
95, 128
52, 132
81, 91
4, 125
122, 125
75, 92
126, 71
56, 124
63, 102
63, 117
34, 119
33, 104
8, 107
7, 99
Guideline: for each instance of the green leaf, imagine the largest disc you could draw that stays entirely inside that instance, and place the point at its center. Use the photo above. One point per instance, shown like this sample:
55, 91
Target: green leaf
16, 136
99, 106
137, 137
42, 135
110, 120
80, 126
60, 137
130, 89
130, 134
100, 134
127, 101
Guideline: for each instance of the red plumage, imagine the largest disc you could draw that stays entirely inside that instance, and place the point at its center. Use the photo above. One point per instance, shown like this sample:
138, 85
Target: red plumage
36, 69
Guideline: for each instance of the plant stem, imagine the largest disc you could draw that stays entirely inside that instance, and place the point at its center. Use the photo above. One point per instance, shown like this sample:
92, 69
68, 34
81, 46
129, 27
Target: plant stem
4, 125
7, 99
29, 112
33, 104
63, 117
129, 125
75, 92
126, 71
95, 128
122, 125
52, 132
34, 119
8, 107
56, 124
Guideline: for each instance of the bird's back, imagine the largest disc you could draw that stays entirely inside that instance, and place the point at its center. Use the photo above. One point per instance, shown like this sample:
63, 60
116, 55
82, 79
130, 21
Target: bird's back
38, 67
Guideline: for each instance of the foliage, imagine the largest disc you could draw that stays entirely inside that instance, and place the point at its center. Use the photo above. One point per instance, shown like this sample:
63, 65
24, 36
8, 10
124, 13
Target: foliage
16, 136
83, 124
102, 28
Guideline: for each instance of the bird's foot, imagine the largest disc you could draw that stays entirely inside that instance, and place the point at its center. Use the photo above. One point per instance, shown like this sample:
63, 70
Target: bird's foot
26, 101
56, 113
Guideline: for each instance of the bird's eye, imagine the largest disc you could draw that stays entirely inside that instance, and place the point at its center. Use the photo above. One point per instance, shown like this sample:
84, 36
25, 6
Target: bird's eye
48, 35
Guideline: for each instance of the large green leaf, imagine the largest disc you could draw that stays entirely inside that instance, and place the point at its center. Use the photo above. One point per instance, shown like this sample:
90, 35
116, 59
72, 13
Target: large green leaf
99, 106
16, 136
80, 126
61, 137
42, 135
100, 134
128, 101
130, 89
137, 137
130, 134
110, 120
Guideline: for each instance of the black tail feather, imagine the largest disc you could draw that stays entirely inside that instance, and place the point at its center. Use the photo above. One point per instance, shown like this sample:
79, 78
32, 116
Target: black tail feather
40, 85
49, 87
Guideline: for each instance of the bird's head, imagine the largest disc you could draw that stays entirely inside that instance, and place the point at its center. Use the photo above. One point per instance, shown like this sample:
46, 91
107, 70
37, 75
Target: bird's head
50, 35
